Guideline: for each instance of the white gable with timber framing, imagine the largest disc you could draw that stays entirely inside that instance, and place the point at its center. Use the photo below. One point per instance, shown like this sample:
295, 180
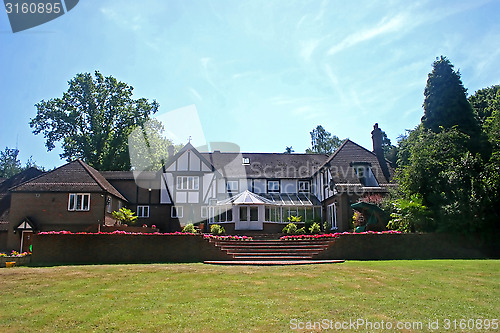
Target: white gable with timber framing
188, 179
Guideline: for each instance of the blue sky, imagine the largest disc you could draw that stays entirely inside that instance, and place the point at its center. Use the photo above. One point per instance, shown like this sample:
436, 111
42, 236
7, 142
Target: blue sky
262, 74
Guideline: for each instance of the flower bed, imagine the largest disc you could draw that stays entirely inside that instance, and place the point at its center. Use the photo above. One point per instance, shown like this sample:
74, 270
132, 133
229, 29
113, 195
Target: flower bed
117, 232
16, 257
229, 237
120, 232
334, 235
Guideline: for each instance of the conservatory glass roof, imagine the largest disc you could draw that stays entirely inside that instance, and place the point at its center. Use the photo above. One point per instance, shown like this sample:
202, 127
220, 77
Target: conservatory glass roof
282, 199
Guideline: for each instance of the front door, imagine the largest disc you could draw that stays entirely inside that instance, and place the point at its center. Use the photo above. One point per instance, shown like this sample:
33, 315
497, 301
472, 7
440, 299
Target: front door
26, 240
250, 218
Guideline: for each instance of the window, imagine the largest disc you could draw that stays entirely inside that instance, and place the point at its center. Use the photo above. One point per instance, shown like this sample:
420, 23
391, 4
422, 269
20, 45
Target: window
246, 161
142, 211
188, 182
273, 186
232, 185
177, 211
243, 213
365, 174
204, 212
223, 214
109, 204
304, 186
79, 202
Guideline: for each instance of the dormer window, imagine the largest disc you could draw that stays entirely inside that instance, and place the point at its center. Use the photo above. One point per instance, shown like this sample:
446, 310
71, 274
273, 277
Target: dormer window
246, 161
304, 186
232, 186
273, 186
365, 174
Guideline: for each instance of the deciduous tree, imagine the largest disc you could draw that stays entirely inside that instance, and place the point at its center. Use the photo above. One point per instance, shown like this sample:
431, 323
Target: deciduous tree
93, 120
323, 142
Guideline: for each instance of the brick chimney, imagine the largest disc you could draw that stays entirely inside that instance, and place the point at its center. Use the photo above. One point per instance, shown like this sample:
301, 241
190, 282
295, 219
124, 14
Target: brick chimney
377, 140
379, 152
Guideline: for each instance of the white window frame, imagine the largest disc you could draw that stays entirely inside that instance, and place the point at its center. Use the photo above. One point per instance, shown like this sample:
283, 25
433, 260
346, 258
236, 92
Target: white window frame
190, 183
230, 185
302, 188
332, 215
178, 210
273, 189
143, 211
204, 212
72, 204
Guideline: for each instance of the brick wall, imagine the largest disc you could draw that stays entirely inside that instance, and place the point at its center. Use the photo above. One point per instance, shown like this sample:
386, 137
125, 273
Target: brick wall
95, 248
182, 248
410, 246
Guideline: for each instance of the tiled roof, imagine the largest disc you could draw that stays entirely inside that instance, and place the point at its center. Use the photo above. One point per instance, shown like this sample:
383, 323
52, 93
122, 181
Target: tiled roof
350, 152
75, 176
266, 165
18, 179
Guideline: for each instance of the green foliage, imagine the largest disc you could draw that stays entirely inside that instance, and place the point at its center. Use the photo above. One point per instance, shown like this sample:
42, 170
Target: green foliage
93, 120
390, 151
446, 104
410, 215
10, 165
301, 231
486, 102
189, 229
315, 229
125, 216
290, 229
323, 142
148, 147
216, 229
294, 218
289, 150
451, 161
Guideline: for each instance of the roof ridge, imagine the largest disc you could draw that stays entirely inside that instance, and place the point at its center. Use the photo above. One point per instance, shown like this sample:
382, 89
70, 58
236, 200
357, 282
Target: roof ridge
91, 170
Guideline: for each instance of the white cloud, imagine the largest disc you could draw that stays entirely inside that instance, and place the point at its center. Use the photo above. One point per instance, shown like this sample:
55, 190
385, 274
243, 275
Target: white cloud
307, 48
385, 26
195, 93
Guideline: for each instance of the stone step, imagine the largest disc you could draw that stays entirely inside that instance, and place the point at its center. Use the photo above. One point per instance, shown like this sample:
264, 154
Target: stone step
272, 258
298, 247
269, 243
272, 250
242, 250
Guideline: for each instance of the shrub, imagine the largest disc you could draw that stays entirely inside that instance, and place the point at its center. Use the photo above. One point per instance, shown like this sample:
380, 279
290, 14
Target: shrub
216, 229
294, 218
189, 229
124, 216
290, 229
410, 215
315, 228
301, 231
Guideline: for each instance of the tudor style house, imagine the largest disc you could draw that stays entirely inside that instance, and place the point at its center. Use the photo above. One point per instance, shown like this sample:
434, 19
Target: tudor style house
246, 192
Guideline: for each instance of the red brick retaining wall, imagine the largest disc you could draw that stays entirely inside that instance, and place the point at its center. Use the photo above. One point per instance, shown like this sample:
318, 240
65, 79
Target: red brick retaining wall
410, 246
122, 248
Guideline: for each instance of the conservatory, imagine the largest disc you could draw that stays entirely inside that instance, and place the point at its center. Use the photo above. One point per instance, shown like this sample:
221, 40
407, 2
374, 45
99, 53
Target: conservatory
249, 211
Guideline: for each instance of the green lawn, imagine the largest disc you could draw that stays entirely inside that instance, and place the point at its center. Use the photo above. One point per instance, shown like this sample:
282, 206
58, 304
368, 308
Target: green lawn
203, 298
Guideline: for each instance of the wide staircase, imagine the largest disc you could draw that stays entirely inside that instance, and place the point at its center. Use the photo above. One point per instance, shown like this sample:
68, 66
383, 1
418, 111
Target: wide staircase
272, 251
